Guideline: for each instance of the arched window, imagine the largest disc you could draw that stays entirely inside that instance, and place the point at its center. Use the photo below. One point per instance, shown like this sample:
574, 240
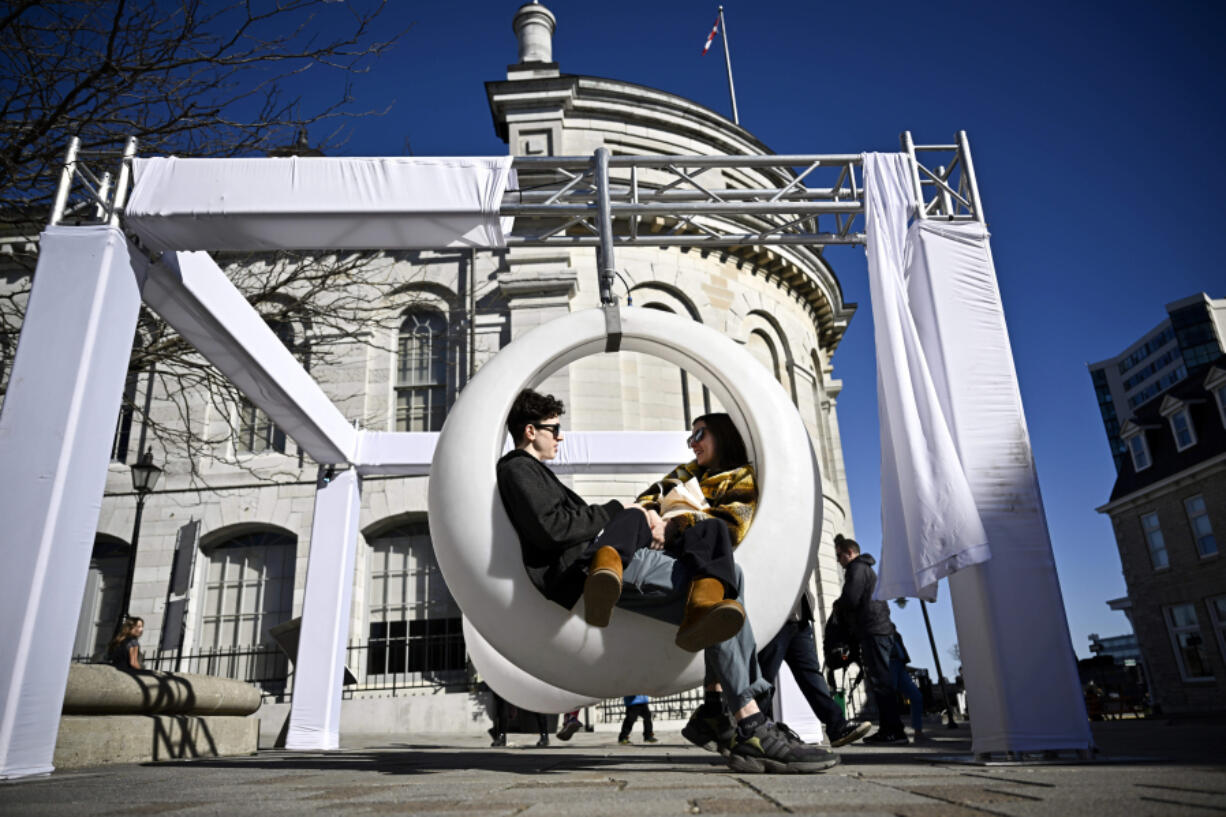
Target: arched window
414, 624
761, 347
249, 588
421, 371
108, 567
256, 432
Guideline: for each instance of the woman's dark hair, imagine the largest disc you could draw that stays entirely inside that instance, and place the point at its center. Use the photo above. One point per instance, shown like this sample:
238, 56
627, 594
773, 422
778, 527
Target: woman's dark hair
729, 447
125, 631
531, 407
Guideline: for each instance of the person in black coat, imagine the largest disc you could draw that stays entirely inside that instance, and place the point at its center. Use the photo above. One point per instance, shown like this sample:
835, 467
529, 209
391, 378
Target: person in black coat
869, 619
573, 549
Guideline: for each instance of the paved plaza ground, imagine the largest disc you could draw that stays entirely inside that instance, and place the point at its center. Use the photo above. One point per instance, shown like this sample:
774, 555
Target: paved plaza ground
1147, 768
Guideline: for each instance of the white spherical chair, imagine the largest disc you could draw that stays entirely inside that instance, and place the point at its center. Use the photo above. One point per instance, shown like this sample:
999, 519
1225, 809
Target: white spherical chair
479, 553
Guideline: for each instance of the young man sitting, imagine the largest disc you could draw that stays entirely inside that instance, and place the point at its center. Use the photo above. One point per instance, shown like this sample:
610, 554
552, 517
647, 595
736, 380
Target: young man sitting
613, 556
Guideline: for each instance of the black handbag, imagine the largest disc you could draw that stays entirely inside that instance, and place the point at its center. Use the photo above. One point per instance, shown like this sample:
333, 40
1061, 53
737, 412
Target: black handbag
839, 646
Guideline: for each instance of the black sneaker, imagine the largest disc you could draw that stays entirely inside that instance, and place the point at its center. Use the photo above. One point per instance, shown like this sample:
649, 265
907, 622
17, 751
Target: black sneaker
569, 728
883, 738
711, 732
850, 733
544, 741
500, 739
769, 749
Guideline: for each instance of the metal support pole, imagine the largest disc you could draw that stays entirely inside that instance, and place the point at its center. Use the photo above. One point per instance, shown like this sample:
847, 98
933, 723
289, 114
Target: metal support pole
61, 192
947, 201
968, 170
932, 642
121, 183
127, 582
908, 147
604, 224
604, 251
723, 30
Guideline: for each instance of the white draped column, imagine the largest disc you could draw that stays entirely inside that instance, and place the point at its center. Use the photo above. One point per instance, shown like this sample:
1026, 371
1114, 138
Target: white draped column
319, 670
55, 443
960, 496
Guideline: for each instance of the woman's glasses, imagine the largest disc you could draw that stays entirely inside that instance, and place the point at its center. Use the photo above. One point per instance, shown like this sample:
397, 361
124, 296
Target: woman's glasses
697, 436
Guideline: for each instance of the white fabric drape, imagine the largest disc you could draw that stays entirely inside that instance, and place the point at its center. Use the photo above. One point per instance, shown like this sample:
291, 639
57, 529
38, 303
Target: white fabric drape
326, 203
930, 525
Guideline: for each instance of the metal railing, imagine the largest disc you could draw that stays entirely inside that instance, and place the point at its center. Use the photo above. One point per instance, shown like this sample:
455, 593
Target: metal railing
665, 708
385, 666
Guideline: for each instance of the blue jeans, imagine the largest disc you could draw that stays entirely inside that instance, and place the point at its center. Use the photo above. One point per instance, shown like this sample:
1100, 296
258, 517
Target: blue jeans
656, 585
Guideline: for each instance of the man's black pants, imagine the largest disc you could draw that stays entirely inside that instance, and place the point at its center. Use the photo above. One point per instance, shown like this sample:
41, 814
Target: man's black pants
875, 661
794, 643
705, 549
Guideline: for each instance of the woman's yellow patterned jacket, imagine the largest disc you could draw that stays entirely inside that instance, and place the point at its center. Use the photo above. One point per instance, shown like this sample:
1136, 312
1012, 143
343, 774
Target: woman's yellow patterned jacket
732, 495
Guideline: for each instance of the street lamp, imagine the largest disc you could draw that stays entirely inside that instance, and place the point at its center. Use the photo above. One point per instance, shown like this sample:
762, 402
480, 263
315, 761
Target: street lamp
145, 476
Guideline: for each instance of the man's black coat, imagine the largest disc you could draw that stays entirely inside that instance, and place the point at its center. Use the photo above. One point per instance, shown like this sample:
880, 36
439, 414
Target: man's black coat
554, 524
856, 605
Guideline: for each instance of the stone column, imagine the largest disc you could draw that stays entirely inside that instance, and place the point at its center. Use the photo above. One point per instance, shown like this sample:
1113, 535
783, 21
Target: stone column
534, 26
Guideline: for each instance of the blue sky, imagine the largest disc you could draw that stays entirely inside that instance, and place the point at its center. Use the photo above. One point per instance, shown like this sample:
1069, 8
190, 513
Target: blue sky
1095, 130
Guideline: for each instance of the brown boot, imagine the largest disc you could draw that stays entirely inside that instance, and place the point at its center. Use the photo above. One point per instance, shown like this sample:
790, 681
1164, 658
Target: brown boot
603, 586
709, 618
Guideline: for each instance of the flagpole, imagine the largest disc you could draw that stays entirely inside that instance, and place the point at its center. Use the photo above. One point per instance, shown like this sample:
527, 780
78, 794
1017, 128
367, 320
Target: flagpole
723, 30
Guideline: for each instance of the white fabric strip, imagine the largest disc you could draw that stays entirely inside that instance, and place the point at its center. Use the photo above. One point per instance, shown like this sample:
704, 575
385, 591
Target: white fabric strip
930, 525
326, 203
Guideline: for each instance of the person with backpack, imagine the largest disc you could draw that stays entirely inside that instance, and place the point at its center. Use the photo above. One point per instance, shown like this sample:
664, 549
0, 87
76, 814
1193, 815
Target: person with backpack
869, 620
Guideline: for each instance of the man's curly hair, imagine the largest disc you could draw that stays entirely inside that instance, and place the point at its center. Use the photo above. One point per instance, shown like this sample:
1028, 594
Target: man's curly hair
531, 407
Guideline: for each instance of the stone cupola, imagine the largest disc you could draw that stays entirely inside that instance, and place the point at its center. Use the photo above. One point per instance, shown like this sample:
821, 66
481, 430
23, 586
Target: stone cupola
534, 26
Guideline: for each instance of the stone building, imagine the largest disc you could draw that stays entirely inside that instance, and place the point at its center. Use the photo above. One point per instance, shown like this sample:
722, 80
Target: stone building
1168, 509
236, 513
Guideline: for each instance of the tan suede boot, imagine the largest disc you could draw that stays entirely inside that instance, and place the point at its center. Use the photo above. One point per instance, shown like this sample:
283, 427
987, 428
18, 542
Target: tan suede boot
603, 587
709, 618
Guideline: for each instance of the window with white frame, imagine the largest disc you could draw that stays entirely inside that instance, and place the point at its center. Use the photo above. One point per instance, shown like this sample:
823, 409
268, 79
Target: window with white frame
1188, 643
1153, 538
421, 371
414, 626
1181, 427
249, 587
1217, 613
1202, 530
1139, 450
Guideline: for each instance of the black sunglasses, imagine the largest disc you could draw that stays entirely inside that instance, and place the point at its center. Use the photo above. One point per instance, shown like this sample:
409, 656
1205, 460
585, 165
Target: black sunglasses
697, 436
553, 428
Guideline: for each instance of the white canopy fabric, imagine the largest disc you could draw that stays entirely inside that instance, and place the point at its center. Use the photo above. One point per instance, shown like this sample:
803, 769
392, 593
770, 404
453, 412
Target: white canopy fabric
930, 525
324, 203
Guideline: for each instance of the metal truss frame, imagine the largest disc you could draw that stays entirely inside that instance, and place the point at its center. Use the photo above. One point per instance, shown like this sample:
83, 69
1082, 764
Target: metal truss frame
606, 201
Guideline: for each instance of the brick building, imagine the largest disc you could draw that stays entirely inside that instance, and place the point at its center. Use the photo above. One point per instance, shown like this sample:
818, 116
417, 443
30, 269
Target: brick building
1168, 510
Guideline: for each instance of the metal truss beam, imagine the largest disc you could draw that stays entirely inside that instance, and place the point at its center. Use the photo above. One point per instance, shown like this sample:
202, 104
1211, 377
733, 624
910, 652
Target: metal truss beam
652, 200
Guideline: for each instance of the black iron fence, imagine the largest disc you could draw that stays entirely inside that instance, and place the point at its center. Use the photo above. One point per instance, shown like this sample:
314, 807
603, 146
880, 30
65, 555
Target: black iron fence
389, 665
665, 708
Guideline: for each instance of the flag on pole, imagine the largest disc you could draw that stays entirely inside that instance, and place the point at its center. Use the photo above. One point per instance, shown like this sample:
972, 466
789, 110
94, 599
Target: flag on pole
714, 30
